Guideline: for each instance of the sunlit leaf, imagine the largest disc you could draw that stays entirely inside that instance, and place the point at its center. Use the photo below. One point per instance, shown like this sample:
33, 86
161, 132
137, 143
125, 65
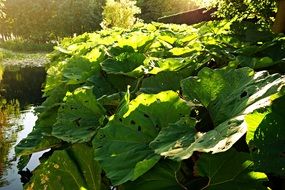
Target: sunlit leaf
73, 168
228, 97
78, 70
170, 64
127, 135
126, 64
230, 93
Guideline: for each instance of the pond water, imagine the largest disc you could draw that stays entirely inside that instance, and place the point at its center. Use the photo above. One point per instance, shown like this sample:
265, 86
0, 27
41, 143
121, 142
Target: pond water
20, 93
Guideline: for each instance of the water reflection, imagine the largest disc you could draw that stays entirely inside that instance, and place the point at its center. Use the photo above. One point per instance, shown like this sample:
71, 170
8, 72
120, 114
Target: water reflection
20, 91
7, 134
23, 84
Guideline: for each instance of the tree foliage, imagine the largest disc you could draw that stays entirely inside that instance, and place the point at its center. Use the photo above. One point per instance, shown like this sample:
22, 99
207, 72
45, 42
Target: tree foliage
121, 13
262, 10
44, 20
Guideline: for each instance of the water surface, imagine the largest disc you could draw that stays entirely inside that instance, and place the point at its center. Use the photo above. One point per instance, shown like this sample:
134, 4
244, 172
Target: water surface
20, 93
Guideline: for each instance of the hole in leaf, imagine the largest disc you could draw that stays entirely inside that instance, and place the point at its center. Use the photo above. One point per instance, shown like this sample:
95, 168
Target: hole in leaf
139, 128
77, 121
205, 123
157, 127
120, 120
243, 94
147, 116
228, 143
254, 149
133, 122
101, 136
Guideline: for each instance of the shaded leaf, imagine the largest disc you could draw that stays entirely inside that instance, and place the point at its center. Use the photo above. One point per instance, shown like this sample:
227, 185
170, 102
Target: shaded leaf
161, 176
104, 85
79, 117
229, 170
269, 138
161, 82
177, 135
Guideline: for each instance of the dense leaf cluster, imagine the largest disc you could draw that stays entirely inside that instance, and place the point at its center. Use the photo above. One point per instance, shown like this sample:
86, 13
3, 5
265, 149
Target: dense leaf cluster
162, 107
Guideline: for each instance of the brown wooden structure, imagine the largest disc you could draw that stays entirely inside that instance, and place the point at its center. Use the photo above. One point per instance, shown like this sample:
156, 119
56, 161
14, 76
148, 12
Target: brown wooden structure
190, 17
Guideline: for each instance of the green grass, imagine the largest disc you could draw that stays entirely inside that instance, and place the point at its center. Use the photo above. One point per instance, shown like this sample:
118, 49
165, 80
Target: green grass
23, 52
20, 45
8, 57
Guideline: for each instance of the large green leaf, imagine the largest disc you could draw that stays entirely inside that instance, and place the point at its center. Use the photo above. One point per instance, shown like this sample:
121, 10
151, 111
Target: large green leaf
268, 140
73, 168
128, 134
78, 69
105, 85
179, 134
79, 117
177, 146
161, 176
228, 93
161, 82
166, 80
229, 170
228, 96
169, 64
130, 64
137, 40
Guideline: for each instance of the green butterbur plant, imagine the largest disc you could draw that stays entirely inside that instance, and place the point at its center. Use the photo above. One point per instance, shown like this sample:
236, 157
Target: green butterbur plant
162, 106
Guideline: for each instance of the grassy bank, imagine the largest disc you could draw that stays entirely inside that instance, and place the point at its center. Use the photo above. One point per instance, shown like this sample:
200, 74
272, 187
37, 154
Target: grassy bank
23, 52
25, 46
8, 57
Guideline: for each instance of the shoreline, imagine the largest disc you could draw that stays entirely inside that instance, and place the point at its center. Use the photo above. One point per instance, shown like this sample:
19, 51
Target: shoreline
10, 58
28, 62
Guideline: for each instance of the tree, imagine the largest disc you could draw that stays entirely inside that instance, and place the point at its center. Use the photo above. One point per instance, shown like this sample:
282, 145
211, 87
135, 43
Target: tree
45, 20
263, 11
279, 24
120, 13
